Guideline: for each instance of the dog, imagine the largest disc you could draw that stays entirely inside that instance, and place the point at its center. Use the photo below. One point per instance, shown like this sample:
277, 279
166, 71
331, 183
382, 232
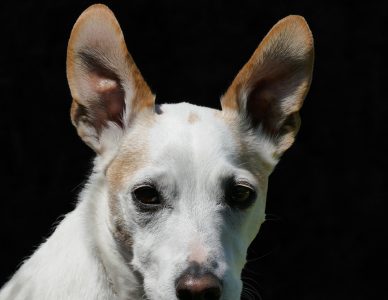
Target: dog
178, 191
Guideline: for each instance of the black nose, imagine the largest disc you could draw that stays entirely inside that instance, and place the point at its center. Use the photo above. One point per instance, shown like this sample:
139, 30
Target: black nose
196, 285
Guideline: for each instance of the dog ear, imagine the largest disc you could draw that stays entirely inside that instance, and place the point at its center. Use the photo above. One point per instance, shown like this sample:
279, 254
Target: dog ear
269, 90
107, 88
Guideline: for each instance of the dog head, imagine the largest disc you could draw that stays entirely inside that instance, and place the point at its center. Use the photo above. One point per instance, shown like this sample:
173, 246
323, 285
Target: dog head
187, 184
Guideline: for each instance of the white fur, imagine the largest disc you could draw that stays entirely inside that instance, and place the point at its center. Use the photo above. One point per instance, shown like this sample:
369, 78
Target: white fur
109, 249
81, 260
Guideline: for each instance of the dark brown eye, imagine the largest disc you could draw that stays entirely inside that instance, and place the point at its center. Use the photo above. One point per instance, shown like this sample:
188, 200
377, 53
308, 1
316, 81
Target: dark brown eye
241, 195
146, 195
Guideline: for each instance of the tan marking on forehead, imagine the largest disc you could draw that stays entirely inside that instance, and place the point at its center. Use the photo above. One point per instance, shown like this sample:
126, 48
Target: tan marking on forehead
193, 117
132, 156
123, 166
253, 162
249, 157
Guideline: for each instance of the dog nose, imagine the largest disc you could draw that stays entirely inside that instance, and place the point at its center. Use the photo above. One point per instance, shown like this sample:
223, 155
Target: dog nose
191, 286
205, 287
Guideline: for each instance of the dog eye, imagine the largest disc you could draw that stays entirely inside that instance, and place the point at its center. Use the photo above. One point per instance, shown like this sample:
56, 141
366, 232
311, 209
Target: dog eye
241, 195
147, 195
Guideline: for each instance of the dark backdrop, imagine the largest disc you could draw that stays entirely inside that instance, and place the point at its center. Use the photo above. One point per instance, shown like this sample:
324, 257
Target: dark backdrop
327, 198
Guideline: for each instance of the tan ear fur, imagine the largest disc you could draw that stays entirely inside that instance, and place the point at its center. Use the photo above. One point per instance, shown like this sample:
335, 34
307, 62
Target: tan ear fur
269, 90
104, 81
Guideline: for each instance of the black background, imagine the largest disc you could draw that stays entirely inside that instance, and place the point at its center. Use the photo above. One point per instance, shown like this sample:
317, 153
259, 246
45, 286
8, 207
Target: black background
326, 237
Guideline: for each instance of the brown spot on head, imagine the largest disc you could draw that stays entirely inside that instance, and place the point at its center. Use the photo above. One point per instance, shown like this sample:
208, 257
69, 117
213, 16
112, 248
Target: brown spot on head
123, 166
269, 90
249, 154
104, 81
131, 157
193, 117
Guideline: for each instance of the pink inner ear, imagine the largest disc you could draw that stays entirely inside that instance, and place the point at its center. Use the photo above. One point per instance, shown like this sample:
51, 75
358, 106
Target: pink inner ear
104, 85
109, 102
111, 95
104, 93
262, 107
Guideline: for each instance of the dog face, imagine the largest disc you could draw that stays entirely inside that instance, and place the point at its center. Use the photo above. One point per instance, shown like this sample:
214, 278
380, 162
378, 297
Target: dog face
187, 184
191, 199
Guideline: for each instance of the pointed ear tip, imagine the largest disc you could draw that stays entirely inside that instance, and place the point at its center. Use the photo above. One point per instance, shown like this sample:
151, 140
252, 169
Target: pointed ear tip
97, 8
295, 19
95, 16
89, 18
297, 23
96, 13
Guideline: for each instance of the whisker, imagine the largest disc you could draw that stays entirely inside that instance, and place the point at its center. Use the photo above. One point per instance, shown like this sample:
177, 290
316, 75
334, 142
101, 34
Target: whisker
251, 290
260, 257
272, 217
82, 183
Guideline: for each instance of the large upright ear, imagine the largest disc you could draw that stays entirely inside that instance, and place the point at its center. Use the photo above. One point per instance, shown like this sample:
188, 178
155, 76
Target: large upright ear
269, 90
107, 88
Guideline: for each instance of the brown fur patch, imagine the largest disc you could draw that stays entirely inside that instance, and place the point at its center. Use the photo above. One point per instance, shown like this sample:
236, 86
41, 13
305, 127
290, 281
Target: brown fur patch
144, 97
129, 159
249, 158
283, 61
100, 16
193, 118
288, 24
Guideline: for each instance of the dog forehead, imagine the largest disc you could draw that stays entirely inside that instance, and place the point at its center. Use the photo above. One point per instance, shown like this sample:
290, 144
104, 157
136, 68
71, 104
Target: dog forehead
193, 130
188, 113
183, 136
